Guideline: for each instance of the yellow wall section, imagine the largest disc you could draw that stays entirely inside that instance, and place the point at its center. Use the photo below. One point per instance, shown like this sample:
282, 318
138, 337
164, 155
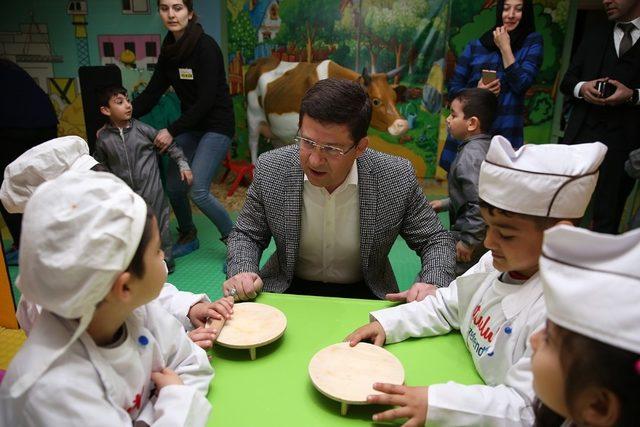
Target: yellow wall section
7, 309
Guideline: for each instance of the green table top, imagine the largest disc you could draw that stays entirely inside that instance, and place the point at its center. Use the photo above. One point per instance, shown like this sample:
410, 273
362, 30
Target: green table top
275, 389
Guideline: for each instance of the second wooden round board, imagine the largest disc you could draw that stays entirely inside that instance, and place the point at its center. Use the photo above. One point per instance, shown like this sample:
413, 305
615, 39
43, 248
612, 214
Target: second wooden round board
252, 325
347, 374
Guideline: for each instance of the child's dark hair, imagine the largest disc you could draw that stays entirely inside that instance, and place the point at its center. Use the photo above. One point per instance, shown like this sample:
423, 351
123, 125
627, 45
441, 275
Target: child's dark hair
590, 363
108, 92
480, 103
136, 267
541, 222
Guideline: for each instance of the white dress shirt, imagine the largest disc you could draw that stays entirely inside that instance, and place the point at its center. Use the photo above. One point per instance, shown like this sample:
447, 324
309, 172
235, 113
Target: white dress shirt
330, 232
617, 38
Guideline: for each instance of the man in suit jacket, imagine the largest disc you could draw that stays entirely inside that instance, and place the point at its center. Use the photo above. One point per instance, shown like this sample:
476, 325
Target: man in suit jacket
608, 53
334, 208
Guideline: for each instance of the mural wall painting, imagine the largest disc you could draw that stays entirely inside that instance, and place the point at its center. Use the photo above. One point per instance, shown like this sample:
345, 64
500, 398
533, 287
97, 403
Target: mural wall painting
32, 48
422, 38
379, 36
401, 43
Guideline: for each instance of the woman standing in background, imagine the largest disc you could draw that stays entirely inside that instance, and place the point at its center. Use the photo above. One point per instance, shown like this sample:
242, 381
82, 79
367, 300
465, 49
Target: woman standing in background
191, 62
514, 51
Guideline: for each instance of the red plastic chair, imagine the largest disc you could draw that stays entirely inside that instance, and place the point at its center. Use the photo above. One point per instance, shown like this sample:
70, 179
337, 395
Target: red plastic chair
242, 170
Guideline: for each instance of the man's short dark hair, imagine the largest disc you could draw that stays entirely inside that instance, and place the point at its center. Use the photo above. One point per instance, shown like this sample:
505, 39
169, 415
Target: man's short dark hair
338, 101
108, 92
480, 103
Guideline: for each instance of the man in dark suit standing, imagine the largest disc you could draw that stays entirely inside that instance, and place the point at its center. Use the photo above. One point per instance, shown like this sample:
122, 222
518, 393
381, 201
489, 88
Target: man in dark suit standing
610, 53
334, 208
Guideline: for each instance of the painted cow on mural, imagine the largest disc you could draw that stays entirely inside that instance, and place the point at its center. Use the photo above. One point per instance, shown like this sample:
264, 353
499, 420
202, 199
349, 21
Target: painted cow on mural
275, 89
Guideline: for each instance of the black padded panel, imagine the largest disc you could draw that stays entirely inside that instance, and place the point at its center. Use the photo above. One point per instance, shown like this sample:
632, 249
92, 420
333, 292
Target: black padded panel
92, 80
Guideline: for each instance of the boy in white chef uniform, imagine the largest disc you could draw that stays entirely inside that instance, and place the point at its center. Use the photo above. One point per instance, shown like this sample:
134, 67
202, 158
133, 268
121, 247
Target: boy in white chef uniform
103, 351
497, 304
47, 161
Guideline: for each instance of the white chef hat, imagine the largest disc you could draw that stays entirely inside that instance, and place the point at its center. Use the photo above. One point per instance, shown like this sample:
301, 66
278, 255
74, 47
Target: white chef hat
79, 232
39, 164
549, 180
591, 284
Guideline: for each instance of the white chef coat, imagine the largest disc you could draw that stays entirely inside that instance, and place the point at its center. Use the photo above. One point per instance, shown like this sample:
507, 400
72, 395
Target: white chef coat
496, 320
82, 387
174, 301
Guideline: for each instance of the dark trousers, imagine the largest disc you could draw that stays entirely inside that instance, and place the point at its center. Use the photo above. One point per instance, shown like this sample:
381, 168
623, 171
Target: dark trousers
614, 185
15, 142
351, 290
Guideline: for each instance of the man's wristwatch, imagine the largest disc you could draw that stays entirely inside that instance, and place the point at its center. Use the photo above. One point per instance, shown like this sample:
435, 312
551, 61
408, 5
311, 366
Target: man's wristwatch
633, 99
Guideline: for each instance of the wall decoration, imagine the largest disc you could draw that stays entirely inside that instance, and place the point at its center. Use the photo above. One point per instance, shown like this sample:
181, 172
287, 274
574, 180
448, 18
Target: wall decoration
401, 42
420, 36
139, 51
51, 39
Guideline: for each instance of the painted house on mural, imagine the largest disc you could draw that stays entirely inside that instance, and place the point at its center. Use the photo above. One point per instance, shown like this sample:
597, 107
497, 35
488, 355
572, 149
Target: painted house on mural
139, 51
265, 16
30, 49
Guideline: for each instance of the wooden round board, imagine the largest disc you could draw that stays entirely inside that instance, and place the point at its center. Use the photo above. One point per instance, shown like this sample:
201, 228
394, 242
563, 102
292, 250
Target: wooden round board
347, 374
252, 325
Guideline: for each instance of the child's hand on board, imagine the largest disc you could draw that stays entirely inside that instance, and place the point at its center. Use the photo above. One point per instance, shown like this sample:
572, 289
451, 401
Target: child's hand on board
411, 403
370, 332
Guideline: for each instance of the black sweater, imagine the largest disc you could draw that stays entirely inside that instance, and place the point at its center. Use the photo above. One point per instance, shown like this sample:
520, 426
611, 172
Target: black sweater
204, 100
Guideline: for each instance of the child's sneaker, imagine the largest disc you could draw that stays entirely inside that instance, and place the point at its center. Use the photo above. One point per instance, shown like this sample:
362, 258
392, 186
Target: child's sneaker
187, 243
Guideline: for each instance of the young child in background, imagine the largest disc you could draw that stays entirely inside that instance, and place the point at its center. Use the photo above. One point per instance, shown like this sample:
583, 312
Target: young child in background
497, 304
125, 147
472, 113
586, 362
49, 160
103, 351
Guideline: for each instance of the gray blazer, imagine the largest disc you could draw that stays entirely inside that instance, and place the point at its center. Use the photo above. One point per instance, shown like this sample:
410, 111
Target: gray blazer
391, 204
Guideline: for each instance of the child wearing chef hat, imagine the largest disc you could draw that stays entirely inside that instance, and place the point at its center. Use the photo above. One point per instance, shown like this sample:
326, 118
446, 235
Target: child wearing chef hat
47, 161
586, 361
497, 304
101, 344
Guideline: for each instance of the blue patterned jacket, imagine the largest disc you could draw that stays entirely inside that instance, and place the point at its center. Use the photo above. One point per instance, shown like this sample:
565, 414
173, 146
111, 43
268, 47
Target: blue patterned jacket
515, 80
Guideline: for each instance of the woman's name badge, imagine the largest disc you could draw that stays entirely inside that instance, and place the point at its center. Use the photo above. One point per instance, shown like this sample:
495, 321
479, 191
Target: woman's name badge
185, 73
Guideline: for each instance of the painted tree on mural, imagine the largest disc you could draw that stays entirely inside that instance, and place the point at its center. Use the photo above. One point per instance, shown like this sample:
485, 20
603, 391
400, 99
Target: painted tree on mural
463, 12
243, 37
349, 30
428, 46
396, 26
402, 30
306, 22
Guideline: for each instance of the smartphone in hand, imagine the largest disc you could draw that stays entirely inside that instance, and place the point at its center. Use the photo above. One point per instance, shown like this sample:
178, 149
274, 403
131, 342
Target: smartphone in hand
488, 76
605, 88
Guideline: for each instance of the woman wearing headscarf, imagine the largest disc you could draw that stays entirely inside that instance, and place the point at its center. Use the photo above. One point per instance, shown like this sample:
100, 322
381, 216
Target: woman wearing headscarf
191, 62
514, 51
